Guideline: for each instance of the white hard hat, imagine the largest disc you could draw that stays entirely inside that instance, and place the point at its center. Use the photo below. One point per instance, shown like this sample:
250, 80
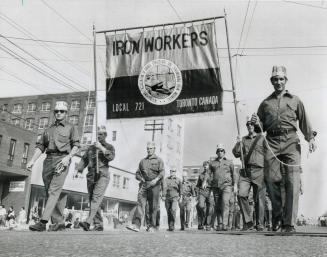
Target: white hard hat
61, 105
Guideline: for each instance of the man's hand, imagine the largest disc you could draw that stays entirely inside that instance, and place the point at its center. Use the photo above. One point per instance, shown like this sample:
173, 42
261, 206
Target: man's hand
254, 118
66, 160
77, 174
163, 198
312, 145
152, 182
99, 146
29, 165
235, 189
180, 200
62, 164
238, 138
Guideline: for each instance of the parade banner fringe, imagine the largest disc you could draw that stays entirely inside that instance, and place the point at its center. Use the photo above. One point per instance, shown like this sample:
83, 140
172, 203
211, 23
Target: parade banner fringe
163, 72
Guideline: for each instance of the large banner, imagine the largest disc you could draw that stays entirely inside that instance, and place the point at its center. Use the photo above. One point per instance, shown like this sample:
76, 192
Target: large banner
163, 72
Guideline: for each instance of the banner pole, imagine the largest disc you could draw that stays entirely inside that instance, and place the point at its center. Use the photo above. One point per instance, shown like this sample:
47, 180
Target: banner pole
96, 94
234, 89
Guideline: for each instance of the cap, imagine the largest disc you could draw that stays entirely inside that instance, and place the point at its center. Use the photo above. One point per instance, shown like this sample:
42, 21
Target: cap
248, 120
102, 129
151, 144
173, 168
61, 105
278, 71
221, 146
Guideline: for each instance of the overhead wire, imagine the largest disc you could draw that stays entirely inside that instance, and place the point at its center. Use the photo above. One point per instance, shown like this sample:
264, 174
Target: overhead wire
43, 63
175, 11
36, 68
42, 44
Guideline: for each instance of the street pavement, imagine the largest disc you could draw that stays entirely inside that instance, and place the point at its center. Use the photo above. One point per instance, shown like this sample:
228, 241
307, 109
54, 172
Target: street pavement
189, 243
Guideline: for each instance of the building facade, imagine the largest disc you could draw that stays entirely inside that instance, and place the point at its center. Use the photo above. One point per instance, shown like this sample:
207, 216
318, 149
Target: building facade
32, 114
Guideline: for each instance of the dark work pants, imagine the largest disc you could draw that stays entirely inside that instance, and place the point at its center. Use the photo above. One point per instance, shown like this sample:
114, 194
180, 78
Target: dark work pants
96, 186
150, 195
53, 183
282, 178
204, 210
171, 207
222, 196
259, 196
185, 207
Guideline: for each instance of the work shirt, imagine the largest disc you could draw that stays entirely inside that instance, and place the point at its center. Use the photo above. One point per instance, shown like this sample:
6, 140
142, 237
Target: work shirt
172, 187
150, 168
187, 189
257, 155
283, 112
204, 179
89, 157
222, 173
60, 137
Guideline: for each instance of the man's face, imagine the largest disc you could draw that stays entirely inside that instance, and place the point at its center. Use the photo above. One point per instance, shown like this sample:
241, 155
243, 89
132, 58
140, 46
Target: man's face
220, 153
173, 173
101, 136
279, 83
206, 166
150, 150
250, 127
60, 114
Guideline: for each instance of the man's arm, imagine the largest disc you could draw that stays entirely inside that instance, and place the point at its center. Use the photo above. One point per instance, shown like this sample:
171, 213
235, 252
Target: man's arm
237, 148
108, 150
40, 148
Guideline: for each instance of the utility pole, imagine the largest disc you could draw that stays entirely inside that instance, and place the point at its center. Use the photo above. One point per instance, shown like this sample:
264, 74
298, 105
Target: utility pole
154, 125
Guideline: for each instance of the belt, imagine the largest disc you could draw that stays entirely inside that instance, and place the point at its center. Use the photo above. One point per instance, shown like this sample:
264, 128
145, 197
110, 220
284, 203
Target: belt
279, 132
56, 153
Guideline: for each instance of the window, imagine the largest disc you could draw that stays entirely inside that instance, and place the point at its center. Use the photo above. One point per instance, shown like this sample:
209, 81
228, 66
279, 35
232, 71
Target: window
90, 103
43, 123
74, 120
0, 139
75, 105
195, 170
116, 181
4, 107
87, 139
45, 107
31, 107
114, 135
126, 183
15, 122
29, 124
89, 120
17, 109
25, 153
12, 148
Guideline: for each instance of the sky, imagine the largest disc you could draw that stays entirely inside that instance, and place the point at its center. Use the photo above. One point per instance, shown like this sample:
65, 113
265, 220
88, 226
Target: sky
261, 33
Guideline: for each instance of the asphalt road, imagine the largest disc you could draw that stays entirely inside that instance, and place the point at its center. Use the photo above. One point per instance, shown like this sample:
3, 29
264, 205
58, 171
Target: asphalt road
189, 243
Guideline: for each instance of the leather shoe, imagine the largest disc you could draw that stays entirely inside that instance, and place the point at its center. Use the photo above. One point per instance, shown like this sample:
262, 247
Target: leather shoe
57, 227
248, 226
85, 226
97, 228
277, 226
224, 228
38, 227
288, 229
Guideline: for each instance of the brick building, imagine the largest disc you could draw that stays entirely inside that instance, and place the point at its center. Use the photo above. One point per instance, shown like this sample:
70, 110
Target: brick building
22, 120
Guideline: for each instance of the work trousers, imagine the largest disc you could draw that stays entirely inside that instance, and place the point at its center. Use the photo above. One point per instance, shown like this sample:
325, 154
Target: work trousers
171, 208
259, 196
222, 196
96, 186
53, 183
150, 195
204, 210
185, 207
282, 178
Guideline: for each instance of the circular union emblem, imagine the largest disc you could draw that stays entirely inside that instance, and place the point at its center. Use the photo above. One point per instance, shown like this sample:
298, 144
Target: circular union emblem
160, 81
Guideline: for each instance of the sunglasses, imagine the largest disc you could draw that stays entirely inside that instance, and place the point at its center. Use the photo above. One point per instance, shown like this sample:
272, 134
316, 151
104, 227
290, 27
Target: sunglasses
59, 111
220, 150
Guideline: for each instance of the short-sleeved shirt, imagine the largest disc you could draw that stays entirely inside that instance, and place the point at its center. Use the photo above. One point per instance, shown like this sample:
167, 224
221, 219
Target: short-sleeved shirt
89, 157
59, 137
187, 189
257, 155
172, 187
222, 173
150, 168
283, 112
